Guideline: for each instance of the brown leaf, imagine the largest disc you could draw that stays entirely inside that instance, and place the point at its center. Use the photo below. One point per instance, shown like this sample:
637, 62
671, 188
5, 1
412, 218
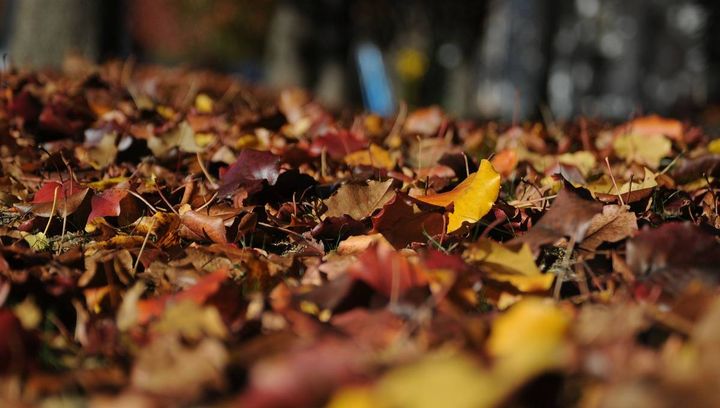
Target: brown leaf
401, 222
569, 216
614, 224
673, 255
359, 200
203, 225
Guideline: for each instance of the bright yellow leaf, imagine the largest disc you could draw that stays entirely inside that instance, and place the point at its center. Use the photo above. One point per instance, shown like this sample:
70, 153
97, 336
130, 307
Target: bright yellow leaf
503, 264
471, 199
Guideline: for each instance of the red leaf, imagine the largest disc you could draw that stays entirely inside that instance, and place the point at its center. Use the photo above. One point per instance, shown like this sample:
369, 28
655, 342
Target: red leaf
251, 168
107, 203
69, 197
204, 288
387, 271
338, 144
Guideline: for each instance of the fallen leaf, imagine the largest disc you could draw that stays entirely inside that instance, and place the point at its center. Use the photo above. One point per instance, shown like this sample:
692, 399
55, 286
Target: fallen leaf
569, 216
387, 271
249, 171
503, 264
68, 199
169, 368
401, 222
614, 224
646, 149
203, 225
97, 153
182, 138
471, 199
359, 200
630, 191
375, 156
337, 143
529, 339
107, 203
425, 121
673, 255
654, 124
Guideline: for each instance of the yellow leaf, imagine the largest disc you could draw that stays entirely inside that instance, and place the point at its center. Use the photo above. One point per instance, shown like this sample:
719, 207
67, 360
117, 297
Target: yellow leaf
192, 321
375, 156
506, 265
37, 242
647, 149
203, 103
714, 146
353, 397
529, 338
439, 380
471, 199
28, 313
583, 160
104, 184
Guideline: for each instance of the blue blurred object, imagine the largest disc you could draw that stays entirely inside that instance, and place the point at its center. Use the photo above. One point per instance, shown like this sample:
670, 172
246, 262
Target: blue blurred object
374, 83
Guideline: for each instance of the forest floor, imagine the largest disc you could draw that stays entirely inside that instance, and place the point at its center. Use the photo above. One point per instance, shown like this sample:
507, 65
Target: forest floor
178, 238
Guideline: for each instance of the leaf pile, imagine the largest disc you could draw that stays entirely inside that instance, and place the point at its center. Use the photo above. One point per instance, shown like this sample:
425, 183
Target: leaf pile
178, 238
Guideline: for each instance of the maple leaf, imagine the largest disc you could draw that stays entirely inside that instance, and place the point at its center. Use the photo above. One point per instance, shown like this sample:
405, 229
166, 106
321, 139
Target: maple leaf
471, 199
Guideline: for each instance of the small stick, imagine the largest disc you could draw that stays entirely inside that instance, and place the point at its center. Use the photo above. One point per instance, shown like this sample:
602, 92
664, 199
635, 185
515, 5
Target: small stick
139, 197
165, 200
213, 184
52, 211
617, 190
142, 247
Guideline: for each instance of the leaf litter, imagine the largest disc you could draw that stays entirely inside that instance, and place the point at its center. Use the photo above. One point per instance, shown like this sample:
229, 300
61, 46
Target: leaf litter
178, 238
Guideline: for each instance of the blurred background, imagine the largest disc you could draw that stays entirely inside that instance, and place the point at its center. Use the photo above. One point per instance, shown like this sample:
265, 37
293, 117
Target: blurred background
508, 60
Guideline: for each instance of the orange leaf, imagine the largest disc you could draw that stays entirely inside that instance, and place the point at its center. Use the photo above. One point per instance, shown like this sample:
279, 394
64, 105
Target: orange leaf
654, 124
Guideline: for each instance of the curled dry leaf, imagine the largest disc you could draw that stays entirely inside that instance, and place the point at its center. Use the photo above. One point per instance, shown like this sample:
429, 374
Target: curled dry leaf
205, 226
569, 216
614, 224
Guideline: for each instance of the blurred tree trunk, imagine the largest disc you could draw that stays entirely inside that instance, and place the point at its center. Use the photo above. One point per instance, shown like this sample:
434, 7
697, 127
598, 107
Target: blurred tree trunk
44, 32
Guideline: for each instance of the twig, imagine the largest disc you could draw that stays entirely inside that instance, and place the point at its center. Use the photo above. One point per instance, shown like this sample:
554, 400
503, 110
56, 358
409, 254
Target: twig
139, 197
142, 247
213, 184
52, 211
617, 190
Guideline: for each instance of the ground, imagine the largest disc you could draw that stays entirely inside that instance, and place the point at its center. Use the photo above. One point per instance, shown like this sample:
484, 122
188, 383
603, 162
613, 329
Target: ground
180, 238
